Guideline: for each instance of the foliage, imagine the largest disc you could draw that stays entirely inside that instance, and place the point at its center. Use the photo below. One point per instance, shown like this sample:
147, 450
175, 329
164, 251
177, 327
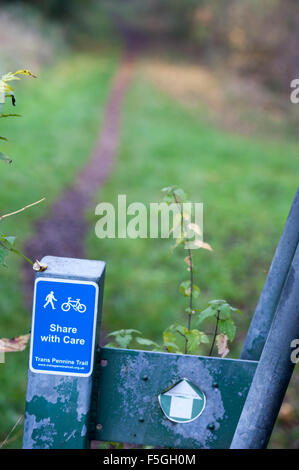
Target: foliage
256, 38
124, 338
7, 243
6, 91
50, 145
14, 344
220, 310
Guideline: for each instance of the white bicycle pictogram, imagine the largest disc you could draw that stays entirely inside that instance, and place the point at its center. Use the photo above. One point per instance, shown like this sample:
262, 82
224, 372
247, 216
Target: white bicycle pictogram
75, 304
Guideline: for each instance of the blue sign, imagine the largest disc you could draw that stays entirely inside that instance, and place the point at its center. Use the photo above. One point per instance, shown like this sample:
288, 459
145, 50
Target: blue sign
63, 326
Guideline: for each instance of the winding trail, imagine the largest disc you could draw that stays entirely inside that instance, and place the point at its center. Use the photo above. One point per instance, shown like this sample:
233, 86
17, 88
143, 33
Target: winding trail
63, 230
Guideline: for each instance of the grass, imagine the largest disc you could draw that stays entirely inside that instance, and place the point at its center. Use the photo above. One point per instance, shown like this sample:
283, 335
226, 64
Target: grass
247, 186
62, 112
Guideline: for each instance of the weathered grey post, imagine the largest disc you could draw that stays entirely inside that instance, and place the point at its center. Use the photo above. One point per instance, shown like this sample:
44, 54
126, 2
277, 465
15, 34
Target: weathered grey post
58, 399
274, 369
265, 310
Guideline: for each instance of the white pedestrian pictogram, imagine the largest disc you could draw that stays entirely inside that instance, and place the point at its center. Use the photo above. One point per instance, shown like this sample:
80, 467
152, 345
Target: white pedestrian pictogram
75, 304
49, 300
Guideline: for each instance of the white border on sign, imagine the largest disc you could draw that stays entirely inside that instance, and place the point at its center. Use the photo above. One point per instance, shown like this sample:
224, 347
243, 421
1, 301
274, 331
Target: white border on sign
70, 281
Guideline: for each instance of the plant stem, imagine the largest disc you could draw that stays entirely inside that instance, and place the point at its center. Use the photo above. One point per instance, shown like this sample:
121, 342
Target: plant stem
190, 264
215, 333
11, 431
191, 287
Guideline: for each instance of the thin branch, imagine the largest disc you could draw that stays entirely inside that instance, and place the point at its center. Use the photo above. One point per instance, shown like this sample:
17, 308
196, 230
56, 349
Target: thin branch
20, 418
21, 210
190, 264
215, 333
191, 286
15, 437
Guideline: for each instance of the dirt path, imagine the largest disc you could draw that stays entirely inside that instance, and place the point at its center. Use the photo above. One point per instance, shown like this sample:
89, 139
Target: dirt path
63, 230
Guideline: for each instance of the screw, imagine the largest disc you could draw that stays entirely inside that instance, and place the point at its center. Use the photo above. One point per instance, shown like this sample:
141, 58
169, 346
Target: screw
211, 427
215, 385
141, 420
145, 378
99, 427
104, 362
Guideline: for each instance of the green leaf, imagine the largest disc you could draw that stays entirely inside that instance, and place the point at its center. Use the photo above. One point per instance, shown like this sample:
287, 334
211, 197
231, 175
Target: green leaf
195, 291
168, 336
179, 241
111, 345
146, 342
194, 338
6, 245
190, 311
217, 302
236, 310
225, 311
168, 189
168, 199
181, 329
180, 195
5, 158
124, 337
172, 347
185, 289
123, 332
9, 115
205, 339
123, 340
3, 255
228, 328
9, 240
208, 312
173, 193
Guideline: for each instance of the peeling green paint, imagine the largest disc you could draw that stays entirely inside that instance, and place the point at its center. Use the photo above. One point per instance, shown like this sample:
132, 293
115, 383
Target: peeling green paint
128, 409
58, 406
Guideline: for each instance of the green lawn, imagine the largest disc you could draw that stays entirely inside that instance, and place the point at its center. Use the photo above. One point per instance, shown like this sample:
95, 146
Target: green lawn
246, 185
62, 111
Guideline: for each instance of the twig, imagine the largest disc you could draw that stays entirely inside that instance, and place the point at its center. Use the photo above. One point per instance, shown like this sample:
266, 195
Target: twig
215, 334
20, 418
21, 210
191, 271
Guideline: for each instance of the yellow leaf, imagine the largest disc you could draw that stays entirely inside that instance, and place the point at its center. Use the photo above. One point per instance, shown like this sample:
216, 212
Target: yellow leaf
188, 260
14, 344
38, 266
195, 228
4, 87
25, 72
9, 76
203, 245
